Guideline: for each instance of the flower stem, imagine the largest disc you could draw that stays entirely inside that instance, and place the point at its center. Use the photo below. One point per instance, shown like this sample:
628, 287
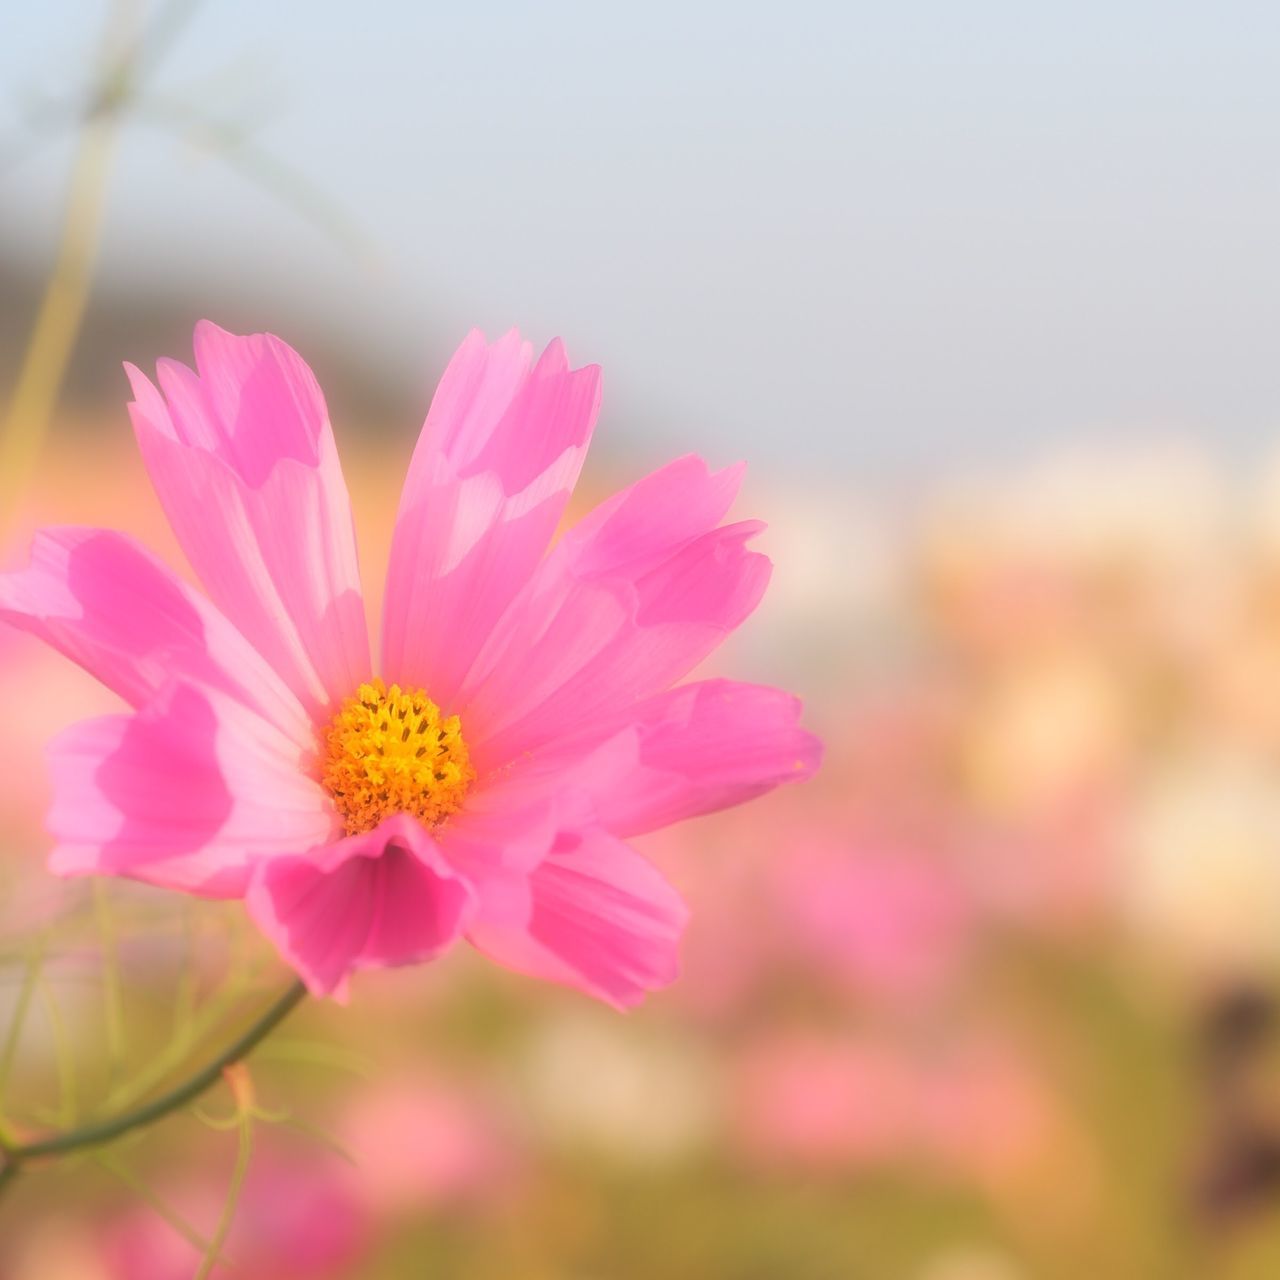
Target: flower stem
103, 1131
62, 307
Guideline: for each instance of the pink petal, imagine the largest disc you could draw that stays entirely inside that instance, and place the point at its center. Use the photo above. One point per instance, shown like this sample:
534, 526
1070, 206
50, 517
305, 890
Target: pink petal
126, 618
243, 458
376, 900
627, 603
594, 915
494, 467
508, 827
186, 793
689, 751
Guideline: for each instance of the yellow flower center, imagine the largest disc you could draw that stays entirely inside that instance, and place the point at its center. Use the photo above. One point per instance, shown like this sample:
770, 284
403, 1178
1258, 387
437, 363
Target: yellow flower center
389, 751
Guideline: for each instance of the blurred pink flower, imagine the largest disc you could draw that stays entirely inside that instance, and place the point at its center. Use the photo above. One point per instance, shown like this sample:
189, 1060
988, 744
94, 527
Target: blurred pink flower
295, 1220
424, 1143
532, 727
808, 1100
722, 868
886, 923
1055, 872
864, 902
972, 1108
39, 701
983, 1111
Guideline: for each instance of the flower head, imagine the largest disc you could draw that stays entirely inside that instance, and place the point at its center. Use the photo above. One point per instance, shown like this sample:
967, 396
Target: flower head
522, 719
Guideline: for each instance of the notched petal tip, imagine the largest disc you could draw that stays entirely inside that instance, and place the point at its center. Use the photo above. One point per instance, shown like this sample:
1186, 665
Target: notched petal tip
594, 915
243, 459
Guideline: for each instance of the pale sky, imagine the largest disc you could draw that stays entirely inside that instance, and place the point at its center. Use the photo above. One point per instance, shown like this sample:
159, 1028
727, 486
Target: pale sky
861, 238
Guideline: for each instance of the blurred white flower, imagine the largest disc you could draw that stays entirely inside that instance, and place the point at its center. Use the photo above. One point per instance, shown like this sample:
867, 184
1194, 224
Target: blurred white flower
836, 585
971, 1264
1158, 504
618, 1090
1202, 872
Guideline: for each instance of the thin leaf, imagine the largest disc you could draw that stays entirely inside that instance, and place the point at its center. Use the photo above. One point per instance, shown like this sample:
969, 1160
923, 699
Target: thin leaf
231, 143
112, 993
324, 1137
64, 1058
316, 1053
244, 1153
184, 1000
30, 980
168, 1059
165, 28
122, 1173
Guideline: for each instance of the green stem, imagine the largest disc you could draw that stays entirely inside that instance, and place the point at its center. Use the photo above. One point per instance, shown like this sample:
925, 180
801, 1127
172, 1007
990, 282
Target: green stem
62, 308
104, 1131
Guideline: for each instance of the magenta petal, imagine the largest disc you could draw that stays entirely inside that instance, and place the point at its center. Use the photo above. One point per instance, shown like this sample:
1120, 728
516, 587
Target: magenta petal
243, 458
493, 469
594, 915
126, 618
377, 900
627, 603
689, 751
704, 747
252, 401
186, 793
640, 526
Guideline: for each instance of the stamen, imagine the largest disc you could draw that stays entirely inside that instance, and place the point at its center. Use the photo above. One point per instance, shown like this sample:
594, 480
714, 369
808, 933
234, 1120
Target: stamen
372, 771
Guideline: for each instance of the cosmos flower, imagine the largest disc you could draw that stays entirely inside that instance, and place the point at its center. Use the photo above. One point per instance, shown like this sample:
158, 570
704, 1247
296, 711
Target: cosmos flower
970, 1104
428, 1141
521, 721
299, 1218
884, 921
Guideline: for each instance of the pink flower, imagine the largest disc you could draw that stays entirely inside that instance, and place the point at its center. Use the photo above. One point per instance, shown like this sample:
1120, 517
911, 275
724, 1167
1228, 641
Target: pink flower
889, 924
528, 724
427, 1142
985, 1110
296, 1219
39, 701
806, 1100
970, 1104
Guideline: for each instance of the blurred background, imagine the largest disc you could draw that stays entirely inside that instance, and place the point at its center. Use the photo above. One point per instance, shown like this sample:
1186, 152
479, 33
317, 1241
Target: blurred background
987, 296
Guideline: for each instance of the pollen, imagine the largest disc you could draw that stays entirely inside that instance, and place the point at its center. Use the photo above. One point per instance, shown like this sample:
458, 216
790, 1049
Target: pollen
388, 751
